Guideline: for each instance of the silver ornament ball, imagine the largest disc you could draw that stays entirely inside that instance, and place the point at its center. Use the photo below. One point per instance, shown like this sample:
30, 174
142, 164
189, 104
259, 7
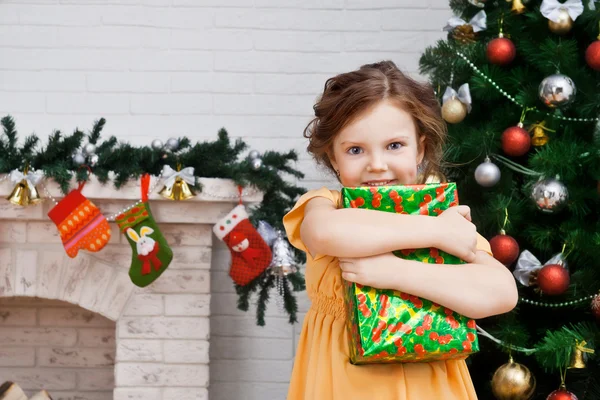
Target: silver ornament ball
557, 91
256, 164
89, 149
157, 144
253, 154
78, 159
172, 144
487, 174
550, 195
94, 160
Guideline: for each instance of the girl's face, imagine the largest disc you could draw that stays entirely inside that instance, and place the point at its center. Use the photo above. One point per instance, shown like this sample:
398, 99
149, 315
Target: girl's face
380, 147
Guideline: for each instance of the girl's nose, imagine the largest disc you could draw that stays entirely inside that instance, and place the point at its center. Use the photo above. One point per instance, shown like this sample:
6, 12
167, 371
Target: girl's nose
377, 164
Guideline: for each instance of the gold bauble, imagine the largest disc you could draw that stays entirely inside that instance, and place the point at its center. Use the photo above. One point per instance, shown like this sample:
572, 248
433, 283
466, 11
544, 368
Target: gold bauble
513, 381
454, 111
564, 24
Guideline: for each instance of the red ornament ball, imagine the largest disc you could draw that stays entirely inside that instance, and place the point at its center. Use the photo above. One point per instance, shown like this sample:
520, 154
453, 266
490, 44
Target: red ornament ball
505, 249
561, 394
596, 306
553, 279
515, 141
592, 55
501, 51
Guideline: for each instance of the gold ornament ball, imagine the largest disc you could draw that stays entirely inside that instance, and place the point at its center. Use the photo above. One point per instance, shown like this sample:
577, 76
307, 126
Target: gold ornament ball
454, 111
564, 24
513, 381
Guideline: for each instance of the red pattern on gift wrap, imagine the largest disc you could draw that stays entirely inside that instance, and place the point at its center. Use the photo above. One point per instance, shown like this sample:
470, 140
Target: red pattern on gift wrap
383, 312
378, 330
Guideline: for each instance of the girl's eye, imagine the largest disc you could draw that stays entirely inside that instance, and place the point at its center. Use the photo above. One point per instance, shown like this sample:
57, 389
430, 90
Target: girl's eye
354, 150
395, 146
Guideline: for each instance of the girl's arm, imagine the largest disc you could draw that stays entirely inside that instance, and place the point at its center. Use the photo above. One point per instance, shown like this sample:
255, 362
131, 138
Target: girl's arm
353, 232
477, 290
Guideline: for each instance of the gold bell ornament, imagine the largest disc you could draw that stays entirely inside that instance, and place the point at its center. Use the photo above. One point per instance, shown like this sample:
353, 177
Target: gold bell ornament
25, 192
456, 105
561, 15
539, 137
177, 183
579, 355
517, 6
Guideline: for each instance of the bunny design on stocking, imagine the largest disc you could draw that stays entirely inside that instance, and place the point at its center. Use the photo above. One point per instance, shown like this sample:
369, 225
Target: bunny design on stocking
147, 248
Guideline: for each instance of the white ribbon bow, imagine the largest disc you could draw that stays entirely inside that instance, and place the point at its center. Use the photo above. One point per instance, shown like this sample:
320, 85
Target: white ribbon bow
478, 22
551, 9
477, 3
592, 5
169, 174
527, 263
32, 178
463, 94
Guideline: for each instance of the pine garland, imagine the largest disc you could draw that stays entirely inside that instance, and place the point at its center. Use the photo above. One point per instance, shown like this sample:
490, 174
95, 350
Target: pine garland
217, 159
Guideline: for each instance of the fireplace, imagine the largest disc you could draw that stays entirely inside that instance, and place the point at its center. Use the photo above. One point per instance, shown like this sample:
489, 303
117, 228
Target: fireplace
80, 329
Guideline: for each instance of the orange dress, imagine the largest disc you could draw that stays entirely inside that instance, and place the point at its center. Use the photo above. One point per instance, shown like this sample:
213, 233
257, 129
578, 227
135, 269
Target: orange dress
322, 370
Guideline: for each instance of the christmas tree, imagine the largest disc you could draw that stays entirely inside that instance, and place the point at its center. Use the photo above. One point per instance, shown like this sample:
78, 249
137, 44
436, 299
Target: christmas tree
519, 86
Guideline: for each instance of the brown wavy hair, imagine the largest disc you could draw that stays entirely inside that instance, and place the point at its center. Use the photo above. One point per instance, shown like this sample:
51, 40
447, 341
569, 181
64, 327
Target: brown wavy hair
347, 96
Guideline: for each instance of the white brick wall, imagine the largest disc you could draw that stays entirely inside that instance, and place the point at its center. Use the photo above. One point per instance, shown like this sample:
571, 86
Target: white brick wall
161, 68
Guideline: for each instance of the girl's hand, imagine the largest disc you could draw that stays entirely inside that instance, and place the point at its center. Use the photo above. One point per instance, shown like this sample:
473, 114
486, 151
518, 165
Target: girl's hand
457, 234
375, 271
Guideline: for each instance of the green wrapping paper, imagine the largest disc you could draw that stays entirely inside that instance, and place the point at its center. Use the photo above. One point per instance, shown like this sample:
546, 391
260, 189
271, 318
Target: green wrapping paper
388, 326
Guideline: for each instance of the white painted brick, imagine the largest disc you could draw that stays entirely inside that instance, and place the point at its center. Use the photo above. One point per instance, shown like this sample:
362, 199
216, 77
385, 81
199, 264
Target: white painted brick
8, 210
96, 282
220, 282
181, 281
13, 232
36, 378
211, 40
9, 15
116, 295
22, 102
397, 41
26, 277
252, 370
72, 279
137, 393
96, 337
387, 4
115, 254
241, 348
297, 41
222, 325
95, 379
412, 19
144, 304
163, 327
186, 351
181, 235
130, 374
72, 317
7, 272
188, 393
49, 273
38, 336
67, 59
226, 304
211, 82
140, 82
42, 232
210, 3
17, 356
63, 16
188, 305
113, 37
29, 36
59, 103
178, 18
197, 257
226, 104
245, 390
75, 358
15, 316
107, 395
310, 84
325, 4
171, 104
139, 350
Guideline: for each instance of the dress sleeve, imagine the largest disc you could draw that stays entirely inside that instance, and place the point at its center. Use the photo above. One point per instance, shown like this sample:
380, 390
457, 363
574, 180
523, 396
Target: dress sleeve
484, 245
293, 219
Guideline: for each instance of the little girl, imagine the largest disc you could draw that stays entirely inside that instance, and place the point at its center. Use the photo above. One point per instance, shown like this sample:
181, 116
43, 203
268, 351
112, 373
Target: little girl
374, 127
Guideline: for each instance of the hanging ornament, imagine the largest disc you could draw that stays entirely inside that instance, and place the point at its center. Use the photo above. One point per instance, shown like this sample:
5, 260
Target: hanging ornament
89, 149
94, 160
539, 137
516, 141
487, 174
561, 15
177, 183
592, 55
553, 279
561, 394
501, 51
550, 195
504, 248
464, 32
78, 158
557, 90
513, 381
580, 355
172, 144
595, 306
527, 267
477, 3
157, 144
517, 6
456, 105
253, 154
25, 192
256, 164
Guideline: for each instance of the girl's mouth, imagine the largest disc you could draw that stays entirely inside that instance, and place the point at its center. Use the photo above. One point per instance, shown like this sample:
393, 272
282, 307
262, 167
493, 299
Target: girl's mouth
380, 182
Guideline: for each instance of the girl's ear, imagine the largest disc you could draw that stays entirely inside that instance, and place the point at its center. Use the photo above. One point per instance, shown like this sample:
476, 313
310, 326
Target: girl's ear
421, 153
332, 160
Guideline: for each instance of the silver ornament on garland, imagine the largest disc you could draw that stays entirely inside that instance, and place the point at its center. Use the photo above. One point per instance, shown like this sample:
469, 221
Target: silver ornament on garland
157, 144
78, 158
253, 154
550, 195
172, 144
557, 90
94, 160
89, 149
256, 164
487, 174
